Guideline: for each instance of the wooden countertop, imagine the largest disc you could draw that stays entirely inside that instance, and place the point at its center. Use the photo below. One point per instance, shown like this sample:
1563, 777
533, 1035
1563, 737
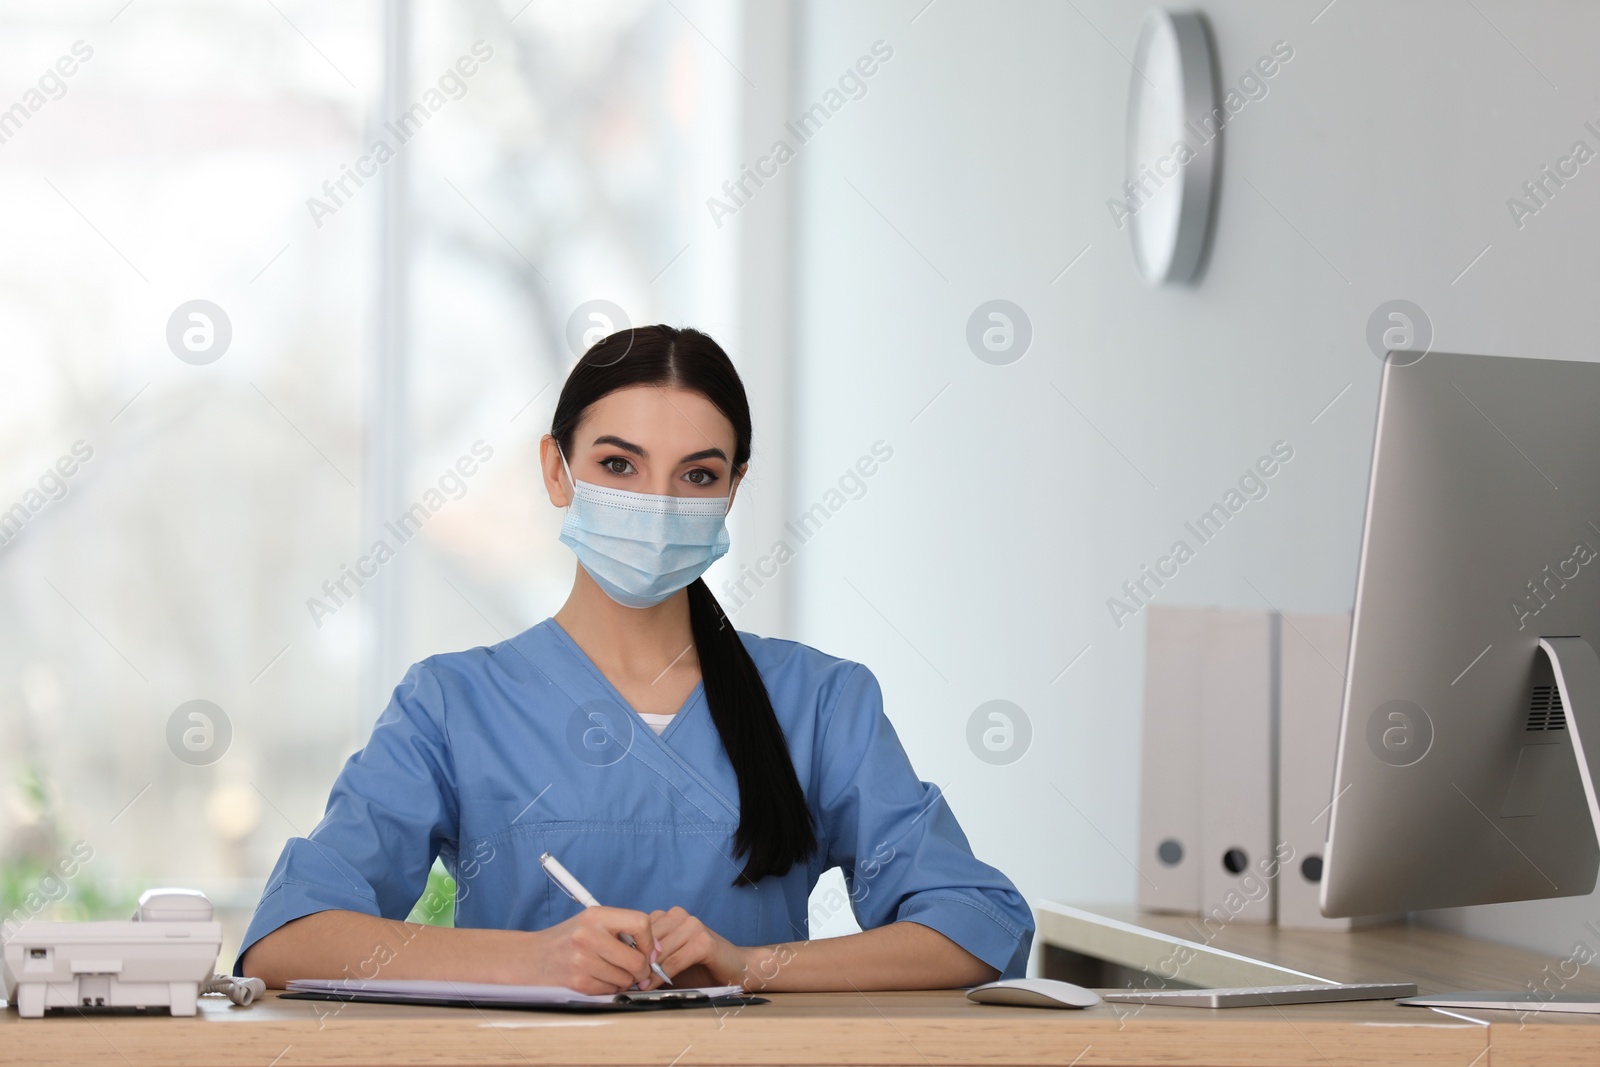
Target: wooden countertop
916, 1029
797, 1028
803, 1028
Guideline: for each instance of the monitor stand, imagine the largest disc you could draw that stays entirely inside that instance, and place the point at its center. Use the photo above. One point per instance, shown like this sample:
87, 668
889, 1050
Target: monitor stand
1577, 674
1577, 671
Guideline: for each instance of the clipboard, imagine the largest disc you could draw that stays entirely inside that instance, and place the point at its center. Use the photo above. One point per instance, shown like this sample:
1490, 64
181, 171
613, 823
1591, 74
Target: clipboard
513, 998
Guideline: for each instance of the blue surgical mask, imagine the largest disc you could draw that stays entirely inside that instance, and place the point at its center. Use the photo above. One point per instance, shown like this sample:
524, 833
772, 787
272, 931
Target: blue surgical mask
641, 548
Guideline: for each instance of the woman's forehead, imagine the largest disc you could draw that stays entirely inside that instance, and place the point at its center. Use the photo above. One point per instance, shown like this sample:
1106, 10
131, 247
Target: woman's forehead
677, 420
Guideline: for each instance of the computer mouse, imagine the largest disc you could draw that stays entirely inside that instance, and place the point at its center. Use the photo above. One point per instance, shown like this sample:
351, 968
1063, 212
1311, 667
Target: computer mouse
1034, 993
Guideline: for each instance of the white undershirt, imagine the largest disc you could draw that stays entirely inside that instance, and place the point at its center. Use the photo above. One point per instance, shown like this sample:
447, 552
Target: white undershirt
656, 722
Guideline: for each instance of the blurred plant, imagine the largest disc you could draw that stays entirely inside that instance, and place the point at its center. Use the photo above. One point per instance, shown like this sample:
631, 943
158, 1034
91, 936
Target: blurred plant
45, 876
437, 905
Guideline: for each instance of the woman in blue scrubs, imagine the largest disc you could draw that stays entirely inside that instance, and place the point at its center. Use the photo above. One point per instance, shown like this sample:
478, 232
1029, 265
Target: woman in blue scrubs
696, 780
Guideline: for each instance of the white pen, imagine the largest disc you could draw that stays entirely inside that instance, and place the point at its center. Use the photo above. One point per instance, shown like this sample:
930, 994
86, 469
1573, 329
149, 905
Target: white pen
575, 890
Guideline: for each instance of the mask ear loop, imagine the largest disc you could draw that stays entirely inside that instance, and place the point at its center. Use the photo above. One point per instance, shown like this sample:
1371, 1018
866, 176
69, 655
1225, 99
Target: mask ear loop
570, 479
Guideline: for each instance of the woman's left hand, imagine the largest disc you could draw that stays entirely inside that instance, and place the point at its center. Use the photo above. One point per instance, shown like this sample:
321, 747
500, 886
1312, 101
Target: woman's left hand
686, 942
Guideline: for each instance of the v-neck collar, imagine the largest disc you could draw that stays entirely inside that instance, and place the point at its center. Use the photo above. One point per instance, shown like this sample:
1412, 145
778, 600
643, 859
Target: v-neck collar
675, 771
582, 657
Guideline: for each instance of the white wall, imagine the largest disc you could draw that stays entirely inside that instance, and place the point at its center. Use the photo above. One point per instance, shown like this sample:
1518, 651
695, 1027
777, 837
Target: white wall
978, 165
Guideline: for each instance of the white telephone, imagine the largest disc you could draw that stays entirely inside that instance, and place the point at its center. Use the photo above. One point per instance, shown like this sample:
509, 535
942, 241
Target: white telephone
161, 958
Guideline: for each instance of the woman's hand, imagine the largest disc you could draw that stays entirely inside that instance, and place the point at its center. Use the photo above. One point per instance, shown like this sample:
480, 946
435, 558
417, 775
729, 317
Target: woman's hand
691, 948
584, 953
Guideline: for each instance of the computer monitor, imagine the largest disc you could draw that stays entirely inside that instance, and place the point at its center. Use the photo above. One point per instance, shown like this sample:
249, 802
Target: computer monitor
1469, 739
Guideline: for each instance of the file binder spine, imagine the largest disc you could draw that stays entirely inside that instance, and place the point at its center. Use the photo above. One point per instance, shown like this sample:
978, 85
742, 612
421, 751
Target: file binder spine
1169, 810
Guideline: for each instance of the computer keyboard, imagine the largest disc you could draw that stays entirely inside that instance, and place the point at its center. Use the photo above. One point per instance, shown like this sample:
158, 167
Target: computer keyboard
1249, 996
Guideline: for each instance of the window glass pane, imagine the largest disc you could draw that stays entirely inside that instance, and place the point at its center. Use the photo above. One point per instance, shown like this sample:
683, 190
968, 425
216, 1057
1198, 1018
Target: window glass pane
186, 482
210, 487
571, 168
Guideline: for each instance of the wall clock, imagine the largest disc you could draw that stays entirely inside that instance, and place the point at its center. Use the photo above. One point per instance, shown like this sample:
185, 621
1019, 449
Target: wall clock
1173, 129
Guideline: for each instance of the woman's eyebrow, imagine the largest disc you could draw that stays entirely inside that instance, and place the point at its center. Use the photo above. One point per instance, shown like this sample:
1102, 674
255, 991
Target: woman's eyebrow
629, 446
626, 446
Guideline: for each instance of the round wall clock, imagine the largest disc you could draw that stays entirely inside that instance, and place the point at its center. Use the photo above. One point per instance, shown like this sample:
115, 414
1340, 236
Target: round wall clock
1173, 128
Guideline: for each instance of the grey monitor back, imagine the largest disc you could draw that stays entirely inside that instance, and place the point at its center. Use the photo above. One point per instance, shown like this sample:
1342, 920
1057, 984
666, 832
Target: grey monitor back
1457, 779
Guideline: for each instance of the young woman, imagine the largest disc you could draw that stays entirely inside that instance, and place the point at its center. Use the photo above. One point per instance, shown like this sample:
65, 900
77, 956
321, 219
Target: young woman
694, 779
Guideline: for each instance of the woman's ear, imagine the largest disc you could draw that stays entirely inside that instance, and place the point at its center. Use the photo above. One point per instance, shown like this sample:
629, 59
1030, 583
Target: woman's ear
738, 480
555, 475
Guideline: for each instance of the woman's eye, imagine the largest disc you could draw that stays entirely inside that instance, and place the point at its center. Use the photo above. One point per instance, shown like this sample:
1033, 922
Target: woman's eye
700, 476
617, 465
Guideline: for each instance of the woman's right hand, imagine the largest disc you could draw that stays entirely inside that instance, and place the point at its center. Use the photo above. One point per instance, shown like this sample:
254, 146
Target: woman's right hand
585, 953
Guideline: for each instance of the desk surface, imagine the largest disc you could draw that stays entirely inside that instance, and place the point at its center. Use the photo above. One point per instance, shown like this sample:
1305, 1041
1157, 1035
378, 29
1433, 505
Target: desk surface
797, 1028
803, 1028
917, 1029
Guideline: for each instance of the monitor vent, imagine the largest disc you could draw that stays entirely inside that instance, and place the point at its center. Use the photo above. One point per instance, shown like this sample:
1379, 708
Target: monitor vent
1545, 711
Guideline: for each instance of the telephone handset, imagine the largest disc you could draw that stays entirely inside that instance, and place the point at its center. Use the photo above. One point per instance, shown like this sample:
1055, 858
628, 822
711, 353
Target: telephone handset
163, 957
173, 905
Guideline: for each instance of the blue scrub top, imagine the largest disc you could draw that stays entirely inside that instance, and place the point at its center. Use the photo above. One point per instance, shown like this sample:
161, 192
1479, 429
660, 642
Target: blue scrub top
487, 758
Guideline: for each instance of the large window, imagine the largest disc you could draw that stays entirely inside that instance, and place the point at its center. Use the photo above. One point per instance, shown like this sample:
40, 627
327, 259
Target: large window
242, 341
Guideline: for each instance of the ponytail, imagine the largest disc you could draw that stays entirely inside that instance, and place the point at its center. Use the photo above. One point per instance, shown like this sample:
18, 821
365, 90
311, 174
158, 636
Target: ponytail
776, 828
